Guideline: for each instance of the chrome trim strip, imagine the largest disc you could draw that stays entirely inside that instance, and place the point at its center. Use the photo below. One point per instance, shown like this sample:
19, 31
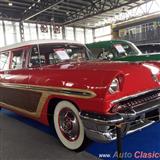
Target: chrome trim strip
105, 135
108, 137
148, 109
134, 95
101, 121
140, 128
72, 92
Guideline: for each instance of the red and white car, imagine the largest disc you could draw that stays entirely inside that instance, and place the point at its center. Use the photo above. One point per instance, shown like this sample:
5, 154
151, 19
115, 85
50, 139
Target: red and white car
55, 83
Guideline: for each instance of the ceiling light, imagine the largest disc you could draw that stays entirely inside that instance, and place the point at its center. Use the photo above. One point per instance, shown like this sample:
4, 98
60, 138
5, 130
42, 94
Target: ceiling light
10, 3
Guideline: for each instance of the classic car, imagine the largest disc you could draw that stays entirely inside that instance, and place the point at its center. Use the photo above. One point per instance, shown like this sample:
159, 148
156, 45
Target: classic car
54, 83
120, 50
149, 48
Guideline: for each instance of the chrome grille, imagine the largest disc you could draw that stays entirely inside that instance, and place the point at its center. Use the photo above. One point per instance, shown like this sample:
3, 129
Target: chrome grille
133, 102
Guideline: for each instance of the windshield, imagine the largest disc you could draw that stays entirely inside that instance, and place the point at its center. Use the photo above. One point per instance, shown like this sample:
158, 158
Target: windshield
47, 54
125, 49
109, 50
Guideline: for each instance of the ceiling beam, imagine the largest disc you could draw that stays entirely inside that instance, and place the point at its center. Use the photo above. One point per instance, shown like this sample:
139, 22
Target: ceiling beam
98, 7
66, 12
40, 7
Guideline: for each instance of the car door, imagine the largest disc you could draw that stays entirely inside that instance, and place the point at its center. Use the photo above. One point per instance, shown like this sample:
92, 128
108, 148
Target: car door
38, 78
14, 93
34, 66
35, 73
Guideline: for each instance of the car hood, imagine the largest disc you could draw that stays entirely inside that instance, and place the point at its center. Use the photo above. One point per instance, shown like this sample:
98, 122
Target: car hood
98, 75
98, 66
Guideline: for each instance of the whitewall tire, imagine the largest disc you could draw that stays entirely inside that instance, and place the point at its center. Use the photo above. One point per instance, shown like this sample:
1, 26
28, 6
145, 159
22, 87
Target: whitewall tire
68, 125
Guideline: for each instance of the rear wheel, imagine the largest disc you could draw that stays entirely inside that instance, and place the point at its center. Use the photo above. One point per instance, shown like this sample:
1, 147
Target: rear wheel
68, 125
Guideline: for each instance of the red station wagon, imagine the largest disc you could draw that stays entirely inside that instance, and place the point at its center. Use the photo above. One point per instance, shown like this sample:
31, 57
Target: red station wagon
55, 83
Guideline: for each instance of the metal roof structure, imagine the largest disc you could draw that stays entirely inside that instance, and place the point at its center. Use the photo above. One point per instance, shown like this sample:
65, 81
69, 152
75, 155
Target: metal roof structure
81, 13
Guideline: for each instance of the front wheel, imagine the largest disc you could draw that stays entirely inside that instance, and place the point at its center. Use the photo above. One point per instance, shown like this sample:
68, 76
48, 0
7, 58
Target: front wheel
68, 125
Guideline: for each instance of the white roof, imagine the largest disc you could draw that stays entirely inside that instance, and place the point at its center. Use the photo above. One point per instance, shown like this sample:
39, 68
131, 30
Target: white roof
34, 42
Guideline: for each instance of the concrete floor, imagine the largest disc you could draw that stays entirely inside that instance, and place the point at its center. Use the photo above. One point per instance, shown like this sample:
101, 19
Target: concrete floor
21, 139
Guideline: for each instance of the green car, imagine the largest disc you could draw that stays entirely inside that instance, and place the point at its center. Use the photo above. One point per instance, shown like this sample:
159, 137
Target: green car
120, 50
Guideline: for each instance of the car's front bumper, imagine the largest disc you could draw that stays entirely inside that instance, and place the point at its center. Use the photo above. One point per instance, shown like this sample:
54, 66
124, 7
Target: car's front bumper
102, 128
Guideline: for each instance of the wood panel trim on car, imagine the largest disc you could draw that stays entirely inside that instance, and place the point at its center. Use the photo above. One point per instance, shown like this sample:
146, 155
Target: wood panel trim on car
37, 95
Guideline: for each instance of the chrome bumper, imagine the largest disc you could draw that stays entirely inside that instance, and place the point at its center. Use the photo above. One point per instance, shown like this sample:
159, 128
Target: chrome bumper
103, 127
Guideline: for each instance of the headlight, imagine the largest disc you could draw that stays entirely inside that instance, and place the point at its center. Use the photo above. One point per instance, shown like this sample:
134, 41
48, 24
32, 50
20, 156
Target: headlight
154, 70
114, 87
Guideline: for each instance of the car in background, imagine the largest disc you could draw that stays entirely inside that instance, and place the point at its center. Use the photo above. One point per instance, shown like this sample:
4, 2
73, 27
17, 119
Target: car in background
55, 83
149, 48
120, 50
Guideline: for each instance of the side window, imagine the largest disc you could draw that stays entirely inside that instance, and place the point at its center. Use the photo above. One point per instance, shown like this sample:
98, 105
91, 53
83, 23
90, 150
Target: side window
37, 59
4, 61
17, 59
34, 57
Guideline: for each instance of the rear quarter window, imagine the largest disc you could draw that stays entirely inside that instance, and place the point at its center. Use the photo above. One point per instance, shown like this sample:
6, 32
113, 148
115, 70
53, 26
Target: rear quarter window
4, 60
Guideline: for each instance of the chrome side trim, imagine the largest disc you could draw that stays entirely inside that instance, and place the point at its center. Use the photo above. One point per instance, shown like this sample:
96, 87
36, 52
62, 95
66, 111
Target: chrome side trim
71, 92
140, 128
102, 121
134, 95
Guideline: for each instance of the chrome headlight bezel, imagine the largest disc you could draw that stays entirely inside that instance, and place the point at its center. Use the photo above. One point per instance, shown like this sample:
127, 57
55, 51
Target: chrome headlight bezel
114, 86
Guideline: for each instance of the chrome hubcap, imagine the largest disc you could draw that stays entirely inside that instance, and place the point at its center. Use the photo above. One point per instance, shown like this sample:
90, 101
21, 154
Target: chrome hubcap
68, 124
